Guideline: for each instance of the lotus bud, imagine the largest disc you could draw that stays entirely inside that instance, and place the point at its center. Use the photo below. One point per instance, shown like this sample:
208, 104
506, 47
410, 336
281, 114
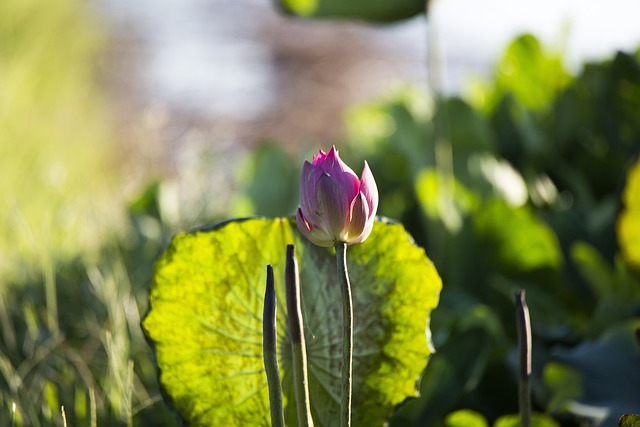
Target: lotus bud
336, 206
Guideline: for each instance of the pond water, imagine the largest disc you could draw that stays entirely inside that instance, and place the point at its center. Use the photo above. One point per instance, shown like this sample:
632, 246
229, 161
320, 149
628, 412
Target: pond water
239, 62
239, 59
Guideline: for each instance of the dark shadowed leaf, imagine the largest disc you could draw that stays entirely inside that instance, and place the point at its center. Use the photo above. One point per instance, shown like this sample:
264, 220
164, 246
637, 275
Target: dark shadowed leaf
610, 375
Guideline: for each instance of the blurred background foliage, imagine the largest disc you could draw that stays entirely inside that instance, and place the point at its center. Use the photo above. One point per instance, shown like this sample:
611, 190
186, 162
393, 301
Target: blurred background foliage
54, 138
531, 181
526, 184
373, 11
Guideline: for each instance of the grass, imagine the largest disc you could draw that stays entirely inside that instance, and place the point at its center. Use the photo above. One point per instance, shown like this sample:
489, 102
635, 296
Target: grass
74, 263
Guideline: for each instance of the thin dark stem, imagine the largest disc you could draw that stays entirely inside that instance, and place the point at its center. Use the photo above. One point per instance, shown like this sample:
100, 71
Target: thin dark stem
298, 344
269, 353
347, 335
524, 354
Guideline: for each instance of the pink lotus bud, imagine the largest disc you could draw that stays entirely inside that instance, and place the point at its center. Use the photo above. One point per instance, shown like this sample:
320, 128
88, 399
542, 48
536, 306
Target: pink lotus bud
336, 206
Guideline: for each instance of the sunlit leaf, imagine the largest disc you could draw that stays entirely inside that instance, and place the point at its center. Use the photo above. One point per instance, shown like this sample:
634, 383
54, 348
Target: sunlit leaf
629, 220
563, 383
465, 418
537, 420
528, 72
206, 309
444, 199
629, 420
520, 241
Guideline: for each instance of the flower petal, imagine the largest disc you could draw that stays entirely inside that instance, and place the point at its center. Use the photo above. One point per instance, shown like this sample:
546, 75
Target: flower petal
332, 165
319, 157
370, 189
303, 225
358, 219
314, 234
308, 182
333, 206
365, 233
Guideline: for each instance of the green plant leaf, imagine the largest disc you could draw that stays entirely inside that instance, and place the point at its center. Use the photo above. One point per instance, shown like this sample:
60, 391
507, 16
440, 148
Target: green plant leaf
432, 192
520, 241
529, 73
593, 269
563, 383
452, 372
629, 420
266, 193
629, 220
610, 378
537, 420
465, 418
206, 309
368, 10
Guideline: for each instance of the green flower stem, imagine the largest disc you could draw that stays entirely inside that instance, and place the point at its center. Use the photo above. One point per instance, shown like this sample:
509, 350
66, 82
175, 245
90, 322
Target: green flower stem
269, 353
523, 325
347, 335
298, 344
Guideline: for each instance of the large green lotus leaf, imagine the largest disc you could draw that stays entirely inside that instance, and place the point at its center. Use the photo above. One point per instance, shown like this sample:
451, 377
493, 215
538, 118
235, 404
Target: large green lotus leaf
367, 10
206, 312
629, 220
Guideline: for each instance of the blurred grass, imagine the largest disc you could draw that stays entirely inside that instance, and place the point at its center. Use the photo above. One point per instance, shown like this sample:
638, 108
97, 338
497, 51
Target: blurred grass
72, 281
58, 195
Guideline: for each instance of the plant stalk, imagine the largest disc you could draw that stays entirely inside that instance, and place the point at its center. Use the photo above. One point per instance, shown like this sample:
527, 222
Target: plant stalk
347, 335
51, 298
523, 325
298, 344
269, 352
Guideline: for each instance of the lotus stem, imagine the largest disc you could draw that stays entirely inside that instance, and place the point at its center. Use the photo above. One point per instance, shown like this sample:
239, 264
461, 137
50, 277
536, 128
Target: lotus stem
347, 335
